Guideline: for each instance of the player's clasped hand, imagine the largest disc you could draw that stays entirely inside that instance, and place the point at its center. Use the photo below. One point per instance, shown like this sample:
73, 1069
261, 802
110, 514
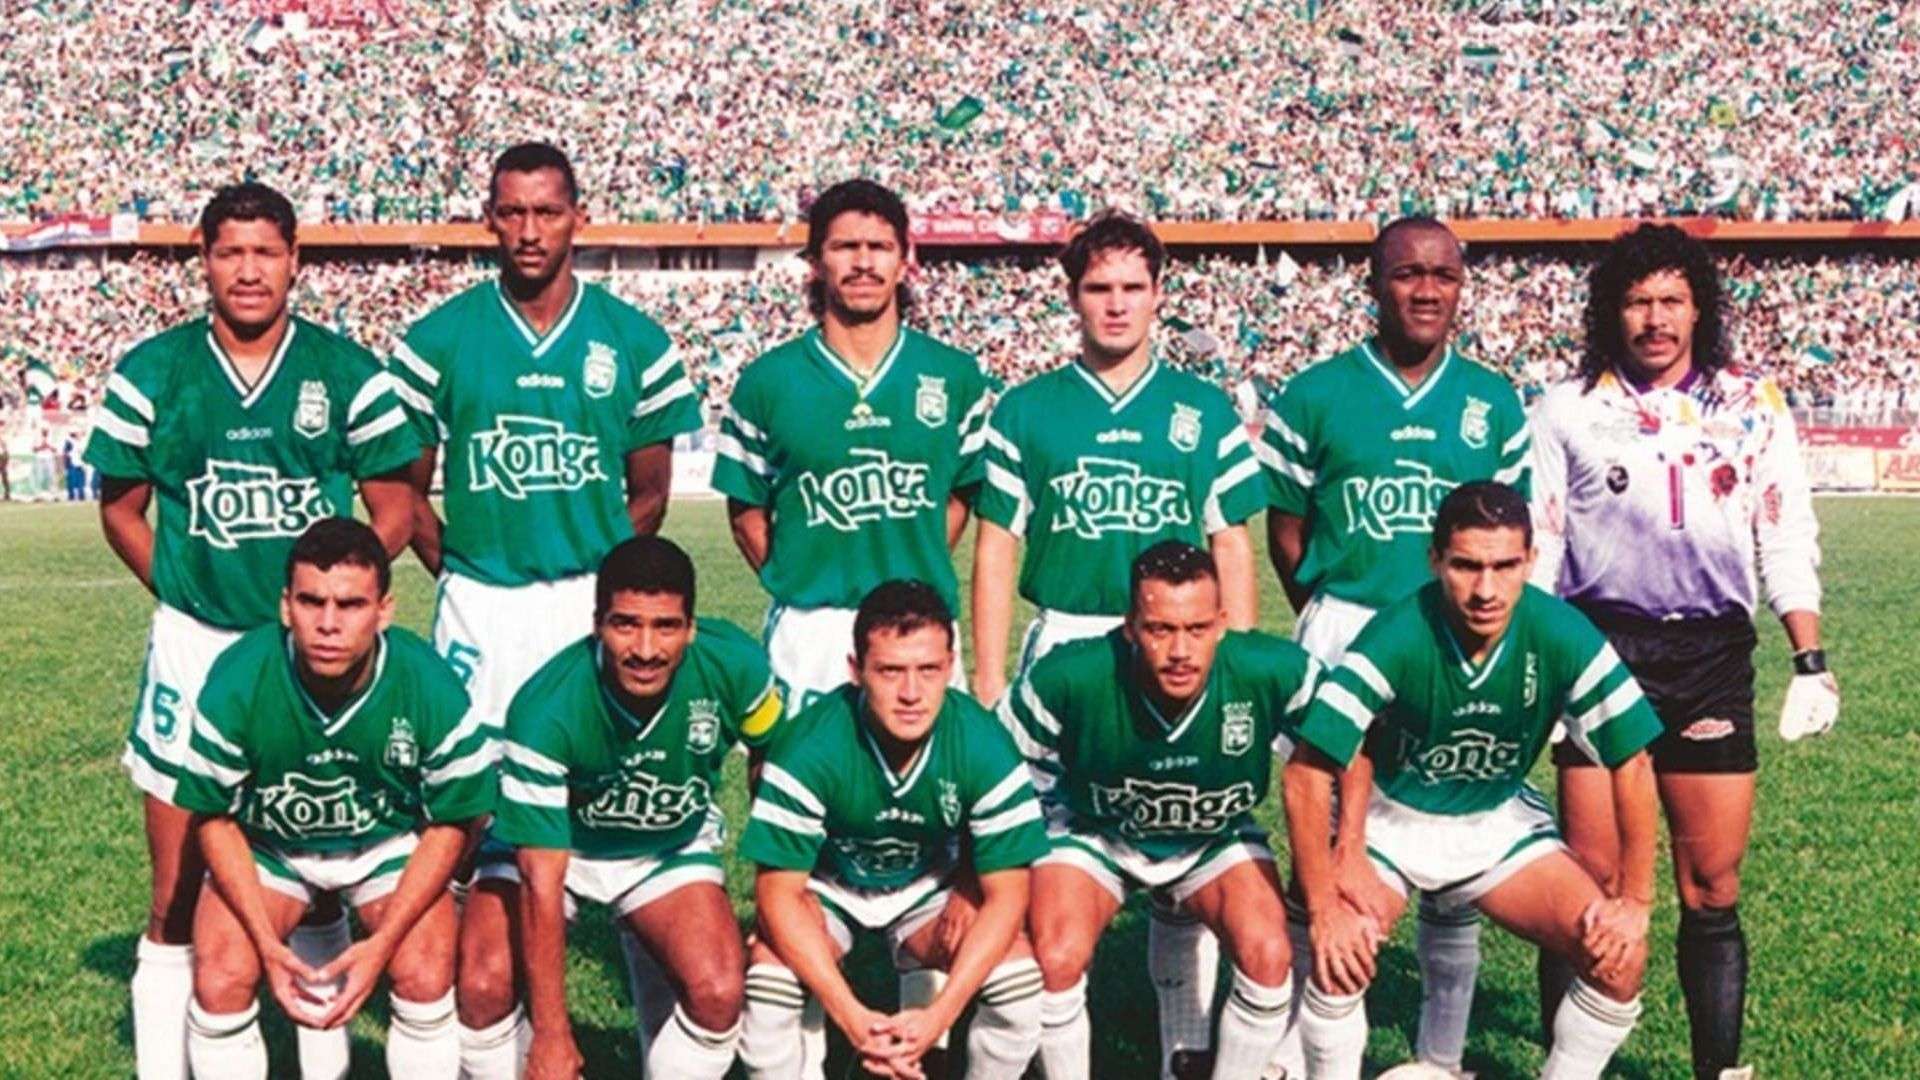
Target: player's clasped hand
361, 966
1611, 929
1812, 706
1344, 942
1357, 883
554, 1056
291, 981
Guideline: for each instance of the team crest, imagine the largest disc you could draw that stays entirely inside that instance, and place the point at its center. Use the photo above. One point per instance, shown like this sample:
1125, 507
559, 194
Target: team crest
949, 803
402, 751
930, 401
310, 414
597, 373
703, 725
1183, 431
1474, 423
1236, 727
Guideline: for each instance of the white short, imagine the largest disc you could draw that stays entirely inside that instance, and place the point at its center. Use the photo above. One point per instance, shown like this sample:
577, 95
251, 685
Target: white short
1050, 629
625, 885
809, 650
1455, 859
1327, 625
497, 636
180, 651
363, 875
898, 913
1119, 867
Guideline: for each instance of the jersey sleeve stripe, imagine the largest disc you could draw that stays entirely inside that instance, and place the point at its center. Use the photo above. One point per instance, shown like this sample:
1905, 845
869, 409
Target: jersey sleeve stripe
674, 391
1341, 700
1026, 810
200, 765
1308, 684
660, 368
786, 820
1511, 473
731, 448
378, 383
413, 399
1006, 483
551, 796
1302, 476
119, 429
377, 426
418, 368
730, 415
1002, 791
533, 760
1619, 701
1046, 720
1288, 436
204, 729
468, 726
1234, 477
790, 785
459, 768
1363, 669
1601, 666
122, 387
1233, 440
975, 419
1517, 442
1002, 443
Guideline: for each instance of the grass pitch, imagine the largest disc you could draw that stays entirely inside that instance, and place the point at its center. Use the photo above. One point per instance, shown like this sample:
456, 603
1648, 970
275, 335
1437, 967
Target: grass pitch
1828, 903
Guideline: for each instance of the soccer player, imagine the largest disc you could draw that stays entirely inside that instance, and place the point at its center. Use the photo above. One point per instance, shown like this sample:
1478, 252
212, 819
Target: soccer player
1150, 746
849, 455
613, 753
337, 754
1360, 449
1672, 499
1454, 691
557, 404
860, 812
249, 424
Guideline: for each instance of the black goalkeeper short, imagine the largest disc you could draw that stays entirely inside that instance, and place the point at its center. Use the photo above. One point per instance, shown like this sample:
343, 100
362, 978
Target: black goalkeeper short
1698, 676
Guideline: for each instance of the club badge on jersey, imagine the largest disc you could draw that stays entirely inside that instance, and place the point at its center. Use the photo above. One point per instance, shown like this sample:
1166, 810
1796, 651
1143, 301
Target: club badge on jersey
310, 411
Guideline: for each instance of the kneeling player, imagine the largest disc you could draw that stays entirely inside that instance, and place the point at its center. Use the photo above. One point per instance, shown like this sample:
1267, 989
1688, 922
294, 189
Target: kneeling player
335, 755
1455, 690
1149, 746
613, 752
858, 823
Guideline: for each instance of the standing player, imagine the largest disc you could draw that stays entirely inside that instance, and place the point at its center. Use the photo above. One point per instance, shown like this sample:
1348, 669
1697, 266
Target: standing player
335, 755
1360, 449
858, 821
557, 404
613, 753
1454, 691
1667, 482
848, 455
1150, 748
249, 424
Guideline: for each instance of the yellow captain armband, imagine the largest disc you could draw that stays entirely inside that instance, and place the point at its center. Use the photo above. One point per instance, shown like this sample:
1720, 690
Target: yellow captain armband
764, 714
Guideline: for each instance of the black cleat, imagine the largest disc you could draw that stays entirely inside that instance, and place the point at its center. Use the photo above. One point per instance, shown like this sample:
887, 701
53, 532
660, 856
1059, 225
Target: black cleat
1191, 1064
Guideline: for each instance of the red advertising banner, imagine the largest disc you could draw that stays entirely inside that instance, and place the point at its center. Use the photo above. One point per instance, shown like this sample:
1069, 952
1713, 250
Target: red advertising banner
1872, 438
989, 230
1899, 470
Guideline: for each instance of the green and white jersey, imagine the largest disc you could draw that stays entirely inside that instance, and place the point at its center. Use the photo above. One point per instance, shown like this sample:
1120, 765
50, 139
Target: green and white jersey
1366, 460
585, 774
1105, 760
537, 427
1090, 478
854, 472
829, 803
1455, 737
240, 471
405, 752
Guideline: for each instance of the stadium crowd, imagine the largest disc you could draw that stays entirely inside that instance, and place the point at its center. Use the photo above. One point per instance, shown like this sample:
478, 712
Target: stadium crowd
1841, 333
1214, 109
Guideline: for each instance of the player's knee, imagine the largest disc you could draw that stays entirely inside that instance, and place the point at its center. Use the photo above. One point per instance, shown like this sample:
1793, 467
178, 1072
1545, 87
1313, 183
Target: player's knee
1063, 959
1622, 983
226, 975
714, 996
486, 988
1710, 889
424, 973
1266, 959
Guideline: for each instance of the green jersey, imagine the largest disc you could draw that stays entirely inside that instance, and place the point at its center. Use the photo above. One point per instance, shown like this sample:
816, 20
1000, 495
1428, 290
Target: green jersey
538, 427
240, 471
854, 472
406, 751
585, 774
1090, 478
1105, 760
1365, 459
1455, 737
828, 802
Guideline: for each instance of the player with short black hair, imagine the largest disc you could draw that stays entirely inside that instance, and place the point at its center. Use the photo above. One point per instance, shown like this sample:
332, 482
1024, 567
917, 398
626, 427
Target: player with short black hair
1360, 449
336, 754
1454, 691
248, 424
1150, 746
858, 823
1672, 499
613, 756
856, 196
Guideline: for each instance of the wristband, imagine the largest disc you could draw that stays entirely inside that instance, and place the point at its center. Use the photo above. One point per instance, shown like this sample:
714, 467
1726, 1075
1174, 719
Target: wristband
1810, 662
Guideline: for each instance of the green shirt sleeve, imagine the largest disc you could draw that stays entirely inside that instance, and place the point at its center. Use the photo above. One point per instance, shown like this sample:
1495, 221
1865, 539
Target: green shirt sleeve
1607, 716
1029, 720
214, 773
669, 405
755, 706
1352, 694
1285, 452
457, 777
532, 808
972, 467
1239, 488
740, 465
416, 366
123, 425
380, 435
1516, 443
1004, 499
787, 825
1003, 814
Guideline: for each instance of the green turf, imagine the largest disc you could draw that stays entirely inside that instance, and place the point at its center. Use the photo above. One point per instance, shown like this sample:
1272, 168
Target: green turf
1830, 885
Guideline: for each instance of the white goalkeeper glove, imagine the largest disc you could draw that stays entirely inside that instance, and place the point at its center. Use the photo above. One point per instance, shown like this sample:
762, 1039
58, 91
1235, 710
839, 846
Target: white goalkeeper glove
1813, 698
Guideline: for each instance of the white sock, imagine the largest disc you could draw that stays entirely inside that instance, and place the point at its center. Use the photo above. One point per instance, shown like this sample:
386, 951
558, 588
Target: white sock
423, 1038
1006, 1022
685, 1049
162, 985
1290, 1060
225, 1046
1183, 959
653, 997
1588, 1027
1333, 1031
918, 988
770, 1044
494, 1052
324, 1055
813, 1040
1066, 1038
1448, 943
1252, 1023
